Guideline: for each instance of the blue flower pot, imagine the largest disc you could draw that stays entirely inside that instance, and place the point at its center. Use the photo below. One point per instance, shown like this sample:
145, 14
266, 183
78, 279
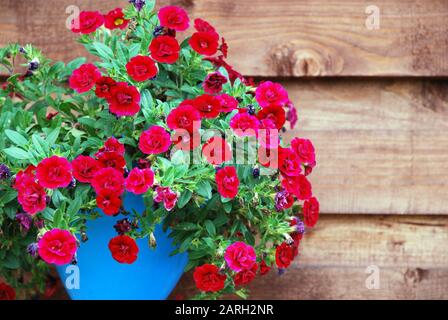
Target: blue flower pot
152, 277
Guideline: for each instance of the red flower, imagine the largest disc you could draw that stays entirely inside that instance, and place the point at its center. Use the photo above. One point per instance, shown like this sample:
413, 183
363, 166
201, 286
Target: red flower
124, 100
213, 83
208, 106
184, 117
311, 212
24, 176
228, 103
203, 26
54, 172
109, 202
243, 124
104, 86
115, 20
165, 49
245, 277
124, 249
205, 43
108, 179
289, 163
299, 186
112, 145
139, 181
217, 151
284, 255
141, 68
305, 151
84, 78
7, 292
31, 196
185, 141
271, 94
228, 182
84, 168
174, 18
284, 200
111, 159
167, 196
156, 140
57, 247
88, 22
274, 113
268, 135
240, 256
208, 278
264, 268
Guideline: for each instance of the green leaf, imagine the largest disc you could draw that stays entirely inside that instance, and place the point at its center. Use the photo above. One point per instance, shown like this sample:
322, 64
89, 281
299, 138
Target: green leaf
16, 138
103, 51
210, 228
40, 146
17, 153
8, 196
186, 226
204, 189
74, 207
48, 214
185, 197
53, 137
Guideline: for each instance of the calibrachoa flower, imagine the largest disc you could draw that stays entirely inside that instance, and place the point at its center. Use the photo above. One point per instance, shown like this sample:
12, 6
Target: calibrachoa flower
217, 151
141, 68
84, 78
240, 256
84, 168
5, 173
174, 18
227, 182
205, 43
124, 249
165, 49
54, 172
115, 20
156, 140
167, 196
299, 186
139, 180
25, 220
245, 277
214, 82
284, 200
271, 94
123, 226
108, 179
243, 124
7, 292
208, 278
184, 117
112, 145
203, 26
139, 4
87, 22
274, 113
264, 268
57, 247
208, 106
109, 202
289, 163
228, 103
311, 212
32, 196
124, 100
111, 159
305, 151
284, 255
104, 86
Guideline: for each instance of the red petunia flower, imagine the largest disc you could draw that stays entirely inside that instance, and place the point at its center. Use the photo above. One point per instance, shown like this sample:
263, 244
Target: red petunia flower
217, 151
228, 182
109, 202
228, 103
208, 106
208, 278
284, 255
84, 78
124, 249
184, 117
311, 212
25, 175
115, 20
165, 49
264, 268
84, 168
245, 277
108, 179
174, 18
274, 113
112, 159
57, 247
104, 86
31, 196
139, 180
112, 145
205, 43
244, 124
87, 22
289, 163
240, 256
141, 68
299, 186
124, 100
156, 140
305, 151
213, 83
54, 172
271, 94
268, 135
7, 292
203, 26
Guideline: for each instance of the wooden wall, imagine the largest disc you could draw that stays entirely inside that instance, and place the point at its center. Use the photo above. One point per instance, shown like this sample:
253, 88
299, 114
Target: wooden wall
375, 102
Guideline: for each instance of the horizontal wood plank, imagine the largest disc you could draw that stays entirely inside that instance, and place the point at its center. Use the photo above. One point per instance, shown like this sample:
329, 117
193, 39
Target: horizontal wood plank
408, 251
276, 38
381, 145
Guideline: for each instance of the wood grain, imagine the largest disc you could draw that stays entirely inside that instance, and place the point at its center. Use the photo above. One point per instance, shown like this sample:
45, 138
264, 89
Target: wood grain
382, 145
277, 38
410, 253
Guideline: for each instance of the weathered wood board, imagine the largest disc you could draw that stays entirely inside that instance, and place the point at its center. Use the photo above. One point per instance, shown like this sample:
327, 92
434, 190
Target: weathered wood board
410, 253
277, 38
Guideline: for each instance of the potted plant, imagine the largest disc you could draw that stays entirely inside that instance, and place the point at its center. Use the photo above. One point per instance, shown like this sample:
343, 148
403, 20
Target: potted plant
157, 159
